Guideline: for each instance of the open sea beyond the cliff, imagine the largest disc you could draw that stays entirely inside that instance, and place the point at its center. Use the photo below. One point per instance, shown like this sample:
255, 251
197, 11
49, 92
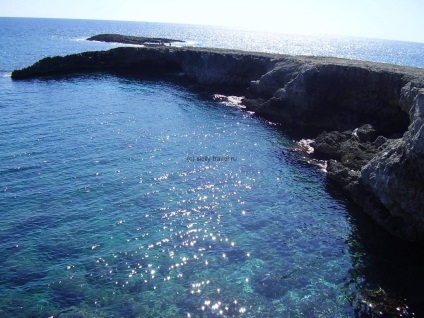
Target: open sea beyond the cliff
126, 196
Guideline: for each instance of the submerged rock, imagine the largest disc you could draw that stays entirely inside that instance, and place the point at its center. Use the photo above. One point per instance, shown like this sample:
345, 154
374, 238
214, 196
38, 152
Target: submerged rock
373, 113
272, 284
235, 254
68, 292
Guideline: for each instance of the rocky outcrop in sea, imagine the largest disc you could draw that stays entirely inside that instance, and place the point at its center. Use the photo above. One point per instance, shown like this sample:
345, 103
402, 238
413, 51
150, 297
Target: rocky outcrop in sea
129, 39
366, 118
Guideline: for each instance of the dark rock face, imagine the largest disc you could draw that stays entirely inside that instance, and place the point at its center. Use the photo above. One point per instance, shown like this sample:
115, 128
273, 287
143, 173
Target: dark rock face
396, 177
369, 117
228, 70
134, 59
366, 133
335, 96
347, 147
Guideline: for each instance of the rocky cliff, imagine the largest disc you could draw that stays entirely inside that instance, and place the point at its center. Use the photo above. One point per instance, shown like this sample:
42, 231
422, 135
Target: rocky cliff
367, 118
209, 67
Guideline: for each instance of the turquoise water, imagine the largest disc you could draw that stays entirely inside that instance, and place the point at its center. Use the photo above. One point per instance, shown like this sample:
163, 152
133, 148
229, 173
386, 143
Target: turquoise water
124, 196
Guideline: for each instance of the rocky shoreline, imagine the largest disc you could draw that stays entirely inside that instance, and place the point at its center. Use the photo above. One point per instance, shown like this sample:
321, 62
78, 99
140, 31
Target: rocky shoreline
367, 119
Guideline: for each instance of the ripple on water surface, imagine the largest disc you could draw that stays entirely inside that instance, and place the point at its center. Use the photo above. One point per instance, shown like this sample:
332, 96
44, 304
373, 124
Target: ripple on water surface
118, 201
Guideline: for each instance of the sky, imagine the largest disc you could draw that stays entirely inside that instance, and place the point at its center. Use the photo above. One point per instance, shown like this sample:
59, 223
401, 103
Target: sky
385, 19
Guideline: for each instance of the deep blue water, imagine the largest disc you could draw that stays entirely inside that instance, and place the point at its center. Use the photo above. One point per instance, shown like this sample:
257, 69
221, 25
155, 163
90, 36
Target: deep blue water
113, 202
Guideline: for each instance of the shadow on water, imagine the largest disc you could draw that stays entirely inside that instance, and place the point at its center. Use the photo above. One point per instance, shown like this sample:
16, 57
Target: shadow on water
393, 269
126, 76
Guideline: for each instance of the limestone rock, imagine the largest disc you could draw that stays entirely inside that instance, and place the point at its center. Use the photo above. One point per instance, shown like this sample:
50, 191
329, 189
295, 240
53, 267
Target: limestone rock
342, 175
345, 147
396, 177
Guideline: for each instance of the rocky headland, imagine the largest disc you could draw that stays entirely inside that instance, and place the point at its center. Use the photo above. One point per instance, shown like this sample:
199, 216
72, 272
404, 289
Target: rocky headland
366, 119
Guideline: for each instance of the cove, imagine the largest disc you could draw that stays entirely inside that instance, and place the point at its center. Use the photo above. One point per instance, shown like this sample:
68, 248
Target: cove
383, 102
111, 219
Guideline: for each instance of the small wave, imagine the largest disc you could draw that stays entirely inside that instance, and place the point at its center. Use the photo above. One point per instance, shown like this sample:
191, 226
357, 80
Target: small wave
304, 145
79, 39
185, 43
6, 74
117, 43
233, 101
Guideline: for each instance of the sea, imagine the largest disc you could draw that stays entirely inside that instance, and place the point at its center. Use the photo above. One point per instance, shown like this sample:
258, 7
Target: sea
136, 196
